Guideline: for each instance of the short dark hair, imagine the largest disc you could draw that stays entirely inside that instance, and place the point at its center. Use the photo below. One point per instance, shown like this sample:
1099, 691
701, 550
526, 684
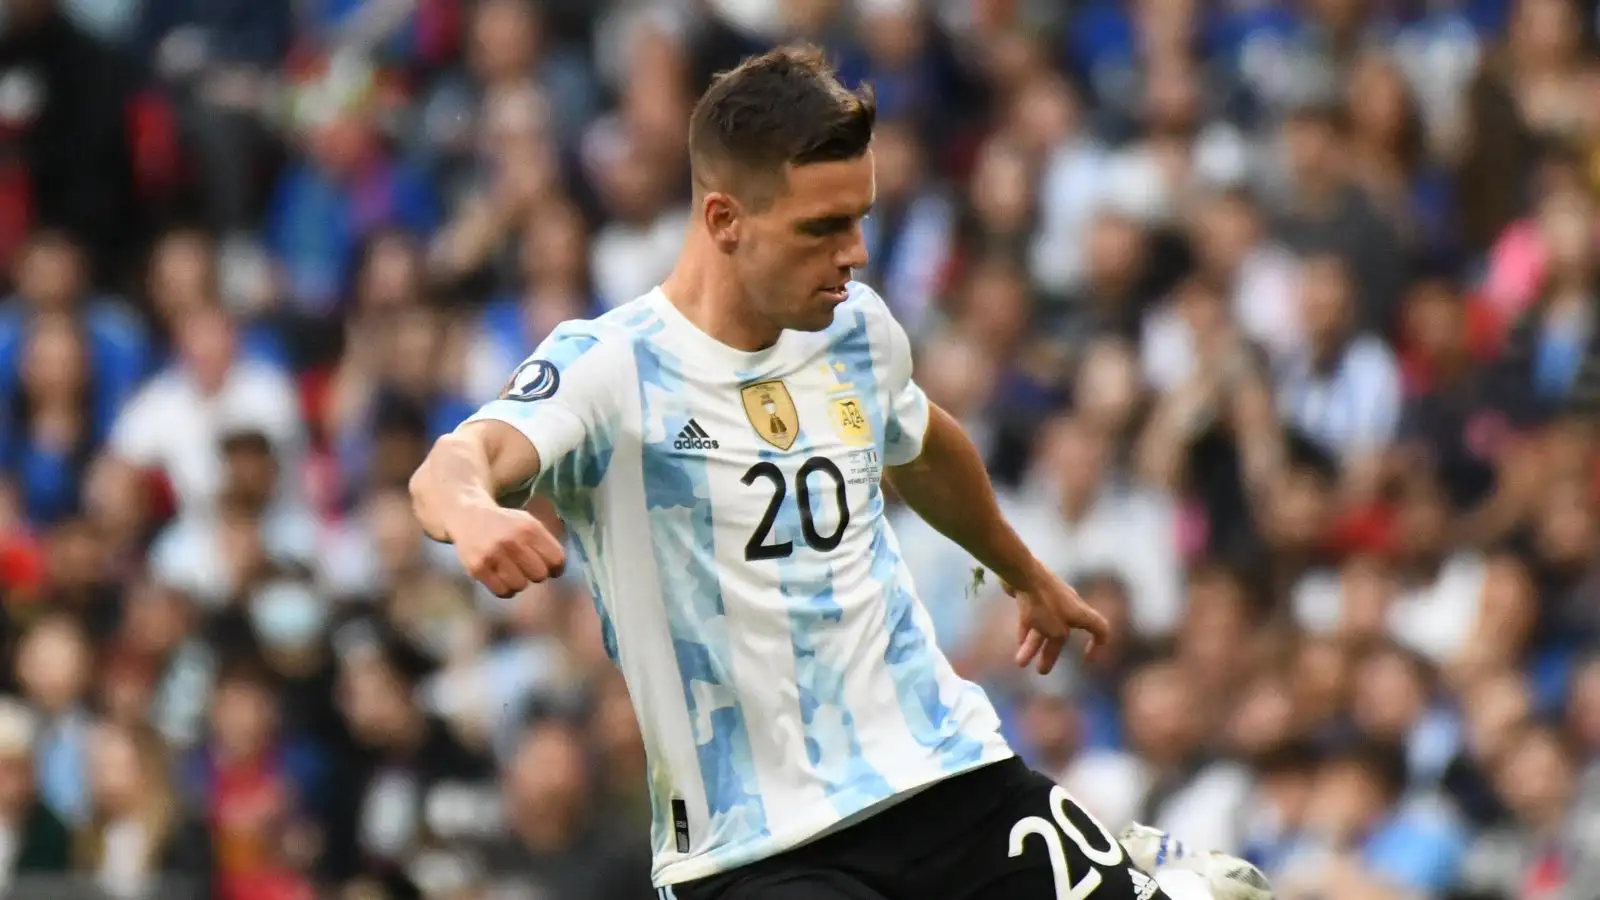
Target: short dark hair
1382, 761
246, 670
1291, 757
784, 107
246, 440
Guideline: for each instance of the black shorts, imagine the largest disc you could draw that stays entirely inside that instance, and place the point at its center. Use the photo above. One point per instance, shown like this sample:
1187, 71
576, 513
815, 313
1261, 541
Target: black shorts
1001, 832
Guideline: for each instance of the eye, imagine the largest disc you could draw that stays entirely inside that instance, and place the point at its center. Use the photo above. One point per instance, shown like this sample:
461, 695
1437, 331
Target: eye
826, 227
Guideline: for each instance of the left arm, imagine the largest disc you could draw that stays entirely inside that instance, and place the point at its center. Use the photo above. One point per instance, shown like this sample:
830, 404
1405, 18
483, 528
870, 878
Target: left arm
947, 485
932, 465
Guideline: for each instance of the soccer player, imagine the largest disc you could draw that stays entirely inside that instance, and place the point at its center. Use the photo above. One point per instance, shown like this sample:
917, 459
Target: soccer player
719, 450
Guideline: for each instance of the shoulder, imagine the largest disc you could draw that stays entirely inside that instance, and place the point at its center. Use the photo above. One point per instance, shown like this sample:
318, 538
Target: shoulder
865, 309
597, 347
1372, 353
256, 381
866, 301
259, 373
603, 337
167, 386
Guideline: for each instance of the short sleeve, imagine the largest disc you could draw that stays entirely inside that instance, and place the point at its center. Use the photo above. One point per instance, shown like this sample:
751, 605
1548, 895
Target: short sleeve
565, 400
906, 406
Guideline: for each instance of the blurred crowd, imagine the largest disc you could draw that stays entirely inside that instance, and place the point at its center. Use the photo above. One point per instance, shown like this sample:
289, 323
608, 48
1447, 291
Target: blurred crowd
1278, 323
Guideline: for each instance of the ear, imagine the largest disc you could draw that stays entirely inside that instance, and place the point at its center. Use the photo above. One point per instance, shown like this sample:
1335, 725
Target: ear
724, 219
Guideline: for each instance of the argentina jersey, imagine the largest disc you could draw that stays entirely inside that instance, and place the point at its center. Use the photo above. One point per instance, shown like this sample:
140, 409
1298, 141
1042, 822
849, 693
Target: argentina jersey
728, 512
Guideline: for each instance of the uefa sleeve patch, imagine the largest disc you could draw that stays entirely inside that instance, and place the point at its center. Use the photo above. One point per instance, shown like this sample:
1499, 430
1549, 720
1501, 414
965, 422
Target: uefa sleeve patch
536, 379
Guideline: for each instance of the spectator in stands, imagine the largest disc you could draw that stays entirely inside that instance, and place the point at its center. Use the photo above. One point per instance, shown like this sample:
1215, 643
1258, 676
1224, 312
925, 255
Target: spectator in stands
349, 187
1583, 715
381, 789
184, 276
175, 424
1343, 390
53, 278
1552, 823
1294, 299
554, 287
260, 789
1388, 143
190, 554
43, 846
52, 662
216, 61
51, 431
69, 97
136, 835
1079, 518
557, 845
1163, 776
1320, 210
1356, 844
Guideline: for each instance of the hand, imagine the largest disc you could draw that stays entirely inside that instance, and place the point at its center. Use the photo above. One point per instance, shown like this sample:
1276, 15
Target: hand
1050, 610
506, 549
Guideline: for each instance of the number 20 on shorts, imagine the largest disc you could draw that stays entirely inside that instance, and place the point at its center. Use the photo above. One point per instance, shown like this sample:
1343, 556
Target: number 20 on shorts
1050, 832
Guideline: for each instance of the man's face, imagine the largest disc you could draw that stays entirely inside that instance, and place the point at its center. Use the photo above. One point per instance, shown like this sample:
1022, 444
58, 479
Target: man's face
1345, 801
242, 718
1325, 303
52, 275
796, 255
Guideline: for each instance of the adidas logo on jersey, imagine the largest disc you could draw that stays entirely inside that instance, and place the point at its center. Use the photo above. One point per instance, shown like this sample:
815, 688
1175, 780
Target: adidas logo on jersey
1143, 885
693, 437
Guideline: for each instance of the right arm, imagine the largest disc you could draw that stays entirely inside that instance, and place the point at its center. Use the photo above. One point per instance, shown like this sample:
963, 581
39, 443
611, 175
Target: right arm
470, 469
550, 429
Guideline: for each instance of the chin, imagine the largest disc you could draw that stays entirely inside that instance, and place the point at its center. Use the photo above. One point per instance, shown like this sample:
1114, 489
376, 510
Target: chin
817, 321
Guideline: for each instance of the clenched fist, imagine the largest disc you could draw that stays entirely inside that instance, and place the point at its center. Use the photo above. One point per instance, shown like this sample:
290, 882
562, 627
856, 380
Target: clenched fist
505, 549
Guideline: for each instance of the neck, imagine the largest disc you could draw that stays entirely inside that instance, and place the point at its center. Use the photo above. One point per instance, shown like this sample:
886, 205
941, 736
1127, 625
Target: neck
705, 289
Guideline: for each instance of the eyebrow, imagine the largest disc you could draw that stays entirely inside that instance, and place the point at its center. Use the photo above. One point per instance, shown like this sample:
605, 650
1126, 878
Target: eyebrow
836, 219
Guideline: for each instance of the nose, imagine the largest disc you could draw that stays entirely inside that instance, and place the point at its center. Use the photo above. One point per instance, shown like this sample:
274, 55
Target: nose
854, 254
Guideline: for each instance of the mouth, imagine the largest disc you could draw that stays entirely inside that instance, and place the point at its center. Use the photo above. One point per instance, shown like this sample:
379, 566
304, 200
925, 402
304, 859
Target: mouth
836, 294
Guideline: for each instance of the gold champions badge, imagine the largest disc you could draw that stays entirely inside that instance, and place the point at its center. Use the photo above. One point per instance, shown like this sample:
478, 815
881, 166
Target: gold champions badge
771, 412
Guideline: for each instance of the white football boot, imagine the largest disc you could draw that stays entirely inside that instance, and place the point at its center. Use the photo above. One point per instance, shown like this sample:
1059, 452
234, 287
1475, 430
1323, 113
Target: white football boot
1228, 877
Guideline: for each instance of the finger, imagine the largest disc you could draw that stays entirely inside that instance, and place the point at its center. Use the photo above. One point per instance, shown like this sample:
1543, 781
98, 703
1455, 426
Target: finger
551, 553
527, 560
483, 571
510, 576
1010, 591
1099, 630
495, 584
1049, 654
1031, 643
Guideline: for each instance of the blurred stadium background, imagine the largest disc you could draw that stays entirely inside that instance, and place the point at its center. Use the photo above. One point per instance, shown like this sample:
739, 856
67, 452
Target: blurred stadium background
1277, 322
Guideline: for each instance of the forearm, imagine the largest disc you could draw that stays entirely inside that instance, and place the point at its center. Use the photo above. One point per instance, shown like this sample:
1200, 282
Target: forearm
949, 488
455, 475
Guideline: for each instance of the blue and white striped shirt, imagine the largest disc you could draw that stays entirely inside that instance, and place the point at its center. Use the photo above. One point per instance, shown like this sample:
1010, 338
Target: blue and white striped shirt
728, 513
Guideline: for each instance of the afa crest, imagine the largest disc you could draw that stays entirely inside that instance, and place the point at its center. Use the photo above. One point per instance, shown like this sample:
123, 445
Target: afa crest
850, 421
771, 412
